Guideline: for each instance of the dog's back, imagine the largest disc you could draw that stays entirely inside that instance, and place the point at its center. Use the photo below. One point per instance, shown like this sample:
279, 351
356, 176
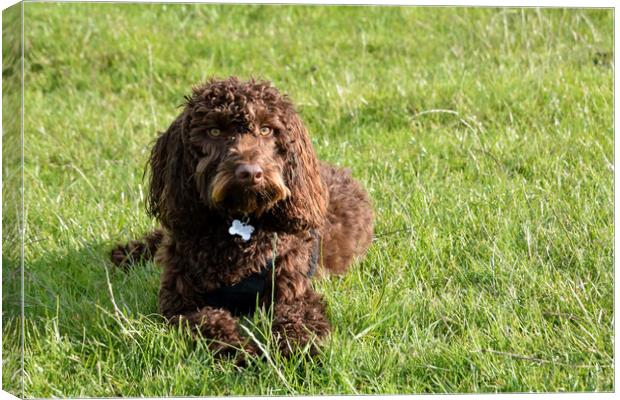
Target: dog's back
349, 227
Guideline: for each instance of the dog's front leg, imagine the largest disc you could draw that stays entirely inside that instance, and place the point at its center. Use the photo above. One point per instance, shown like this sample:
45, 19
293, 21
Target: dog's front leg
299, 320
215, 324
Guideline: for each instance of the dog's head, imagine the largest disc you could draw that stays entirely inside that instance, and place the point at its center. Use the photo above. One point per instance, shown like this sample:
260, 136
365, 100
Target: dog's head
238, 149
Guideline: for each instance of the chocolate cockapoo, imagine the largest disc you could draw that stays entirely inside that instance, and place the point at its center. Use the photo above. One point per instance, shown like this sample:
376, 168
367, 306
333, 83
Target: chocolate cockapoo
247, 214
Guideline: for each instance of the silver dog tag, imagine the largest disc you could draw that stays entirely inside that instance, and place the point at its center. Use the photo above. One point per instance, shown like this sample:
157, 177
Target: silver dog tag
241, 229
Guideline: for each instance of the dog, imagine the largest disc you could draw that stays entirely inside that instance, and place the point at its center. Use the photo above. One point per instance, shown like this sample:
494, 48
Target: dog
248, 216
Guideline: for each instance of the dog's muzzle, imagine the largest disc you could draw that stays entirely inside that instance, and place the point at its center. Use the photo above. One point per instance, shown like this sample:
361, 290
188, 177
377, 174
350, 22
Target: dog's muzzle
246, 187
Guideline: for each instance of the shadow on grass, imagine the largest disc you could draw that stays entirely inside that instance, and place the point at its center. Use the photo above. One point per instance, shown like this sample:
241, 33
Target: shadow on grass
78, 286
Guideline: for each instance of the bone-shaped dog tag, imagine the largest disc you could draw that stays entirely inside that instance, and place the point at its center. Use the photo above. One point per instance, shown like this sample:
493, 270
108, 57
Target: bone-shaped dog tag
241, 229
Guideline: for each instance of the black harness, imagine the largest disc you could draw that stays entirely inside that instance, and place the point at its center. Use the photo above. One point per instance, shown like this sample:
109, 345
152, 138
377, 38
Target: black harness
241, 298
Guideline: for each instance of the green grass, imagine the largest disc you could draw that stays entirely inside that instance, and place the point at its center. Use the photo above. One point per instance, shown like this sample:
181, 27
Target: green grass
484, 136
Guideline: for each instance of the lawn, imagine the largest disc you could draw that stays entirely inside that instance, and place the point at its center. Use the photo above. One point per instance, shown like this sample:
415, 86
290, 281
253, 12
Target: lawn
484, 137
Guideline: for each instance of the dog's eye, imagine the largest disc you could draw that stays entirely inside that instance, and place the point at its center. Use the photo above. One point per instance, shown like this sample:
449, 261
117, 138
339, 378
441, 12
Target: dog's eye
215, 132
265, 131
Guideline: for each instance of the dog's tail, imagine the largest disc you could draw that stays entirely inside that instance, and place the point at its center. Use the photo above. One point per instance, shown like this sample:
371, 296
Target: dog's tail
125, 255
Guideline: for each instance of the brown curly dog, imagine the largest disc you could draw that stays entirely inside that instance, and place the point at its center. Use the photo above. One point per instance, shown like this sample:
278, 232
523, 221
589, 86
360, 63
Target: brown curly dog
247, 214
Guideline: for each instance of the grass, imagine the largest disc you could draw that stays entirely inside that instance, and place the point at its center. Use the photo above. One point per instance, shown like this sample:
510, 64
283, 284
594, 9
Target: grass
484, 136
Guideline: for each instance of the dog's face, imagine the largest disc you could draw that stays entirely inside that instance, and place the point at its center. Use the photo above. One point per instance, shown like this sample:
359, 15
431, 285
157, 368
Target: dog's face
239, 149
237, 136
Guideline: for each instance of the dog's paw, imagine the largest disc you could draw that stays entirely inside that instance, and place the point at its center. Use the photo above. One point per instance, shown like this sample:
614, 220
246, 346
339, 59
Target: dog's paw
123, 256
249, 351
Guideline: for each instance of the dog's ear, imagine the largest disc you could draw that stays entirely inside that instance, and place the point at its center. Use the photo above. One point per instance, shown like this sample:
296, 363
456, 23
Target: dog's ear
306, 207
170, 179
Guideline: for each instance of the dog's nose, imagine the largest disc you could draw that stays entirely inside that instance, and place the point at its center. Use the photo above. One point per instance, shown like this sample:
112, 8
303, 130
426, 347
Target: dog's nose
249, 173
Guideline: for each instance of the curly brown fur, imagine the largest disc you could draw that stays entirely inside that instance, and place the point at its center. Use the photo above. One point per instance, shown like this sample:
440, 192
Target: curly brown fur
125, 255
239, 150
